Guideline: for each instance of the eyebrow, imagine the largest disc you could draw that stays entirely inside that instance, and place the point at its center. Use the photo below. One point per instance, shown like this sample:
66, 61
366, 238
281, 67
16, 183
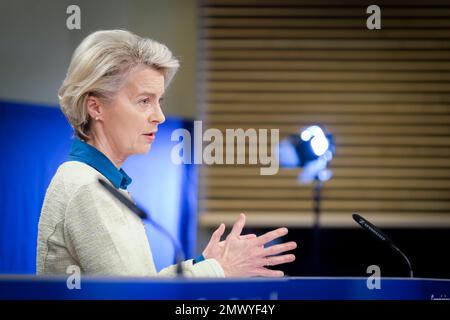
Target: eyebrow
147, 93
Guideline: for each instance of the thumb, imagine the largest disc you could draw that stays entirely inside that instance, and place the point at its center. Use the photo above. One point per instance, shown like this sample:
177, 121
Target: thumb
238, 226
217, 234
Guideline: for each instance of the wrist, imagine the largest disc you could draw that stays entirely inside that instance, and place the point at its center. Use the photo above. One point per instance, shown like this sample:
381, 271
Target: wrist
198, 259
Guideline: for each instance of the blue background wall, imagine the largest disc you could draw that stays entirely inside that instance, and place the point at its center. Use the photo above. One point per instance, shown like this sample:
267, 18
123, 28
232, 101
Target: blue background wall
35, 140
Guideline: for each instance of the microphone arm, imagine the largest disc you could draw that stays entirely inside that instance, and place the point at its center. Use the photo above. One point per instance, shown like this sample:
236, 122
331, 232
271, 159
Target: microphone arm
393, 246
377, 233
179, 256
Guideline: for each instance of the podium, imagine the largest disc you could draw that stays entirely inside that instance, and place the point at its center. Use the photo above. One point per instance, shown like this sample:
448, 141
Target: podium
30, 287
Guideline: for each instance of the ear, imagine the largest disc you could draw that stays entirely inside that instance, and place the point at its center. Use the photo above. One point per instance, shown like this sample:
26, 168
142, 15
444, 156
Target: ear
94, 107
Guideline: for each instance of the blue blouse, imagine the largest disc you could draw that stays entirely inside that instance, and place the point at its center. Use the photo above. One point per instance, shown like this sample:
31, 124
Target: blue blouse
84, 152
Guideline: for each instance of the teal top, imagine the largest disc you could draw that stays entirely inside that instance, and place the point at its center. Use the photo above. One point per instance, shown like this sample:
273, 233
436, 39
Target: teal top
84, 152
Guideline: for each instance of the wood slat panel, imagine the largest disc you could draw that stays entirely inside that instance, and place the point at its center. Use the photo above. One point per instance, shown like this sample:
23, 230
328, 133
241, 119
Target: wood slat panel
366, 162
320, 3
337, 11
337, 97
342, 205
317, 108
321, 75
323, 86
342, 183
346, 129
361, 33
386, 151
326, 44
244, 194
310, 23
397, 55
330, 118
327, 219
390, 162
381, 152
232, 171
328, 65
384, 94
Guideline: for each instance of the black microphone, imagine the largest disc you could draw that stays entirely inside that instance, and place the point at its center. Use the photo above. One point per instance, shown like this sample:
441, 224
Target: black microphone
378, 234
179, 256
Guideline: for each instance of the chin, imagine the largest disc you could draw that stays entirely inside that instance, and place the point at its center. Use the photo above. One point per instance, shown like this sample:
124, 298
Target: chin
142, 149
147, 148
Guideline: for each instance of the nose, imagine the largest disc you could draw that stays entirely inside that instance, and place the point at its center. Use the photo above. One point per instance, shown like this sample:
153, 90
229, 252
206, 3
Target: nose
158, 116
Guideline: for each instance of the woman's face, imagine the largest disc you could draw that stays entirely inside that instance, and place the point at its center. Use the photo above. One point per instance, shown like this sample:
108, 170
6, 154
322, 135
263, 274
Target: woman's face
130, 122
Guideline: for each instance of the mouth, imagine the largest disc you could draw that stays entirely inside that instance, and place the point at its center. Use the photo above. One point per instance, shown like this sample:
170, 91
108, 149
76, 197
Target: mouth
150, 135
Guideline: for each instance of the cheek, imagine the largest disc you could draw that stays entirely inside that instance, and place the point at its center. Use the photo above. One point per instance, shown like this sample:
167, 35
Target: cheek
127, 124
135, 127
123, 122
127, 117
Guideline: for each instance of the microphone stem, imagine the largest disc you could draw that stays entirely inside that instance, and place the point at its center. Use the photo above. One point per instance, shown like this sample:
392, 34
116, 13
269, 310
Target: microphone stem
179, 256
405, 258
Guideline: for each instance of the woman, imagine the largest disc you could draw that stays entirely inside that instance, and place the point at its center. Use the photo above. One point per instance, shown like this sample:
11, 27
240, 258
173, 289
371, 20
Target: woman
111, 96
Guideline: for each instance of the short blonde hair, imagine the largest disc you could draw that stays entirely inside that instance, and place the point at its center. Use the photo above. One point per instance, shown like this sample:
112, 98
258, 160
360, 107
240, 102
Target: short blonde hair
100, 64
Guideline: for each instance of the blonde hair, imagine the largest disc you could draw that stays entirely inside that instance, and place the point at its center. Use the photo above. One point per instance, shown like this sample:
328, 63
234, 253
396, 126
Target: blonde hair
100, 64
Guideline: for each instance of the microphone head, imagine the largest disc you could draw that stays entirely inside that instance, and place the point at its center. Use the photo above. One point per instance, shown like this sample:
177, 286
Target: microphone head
359, 220
369, 227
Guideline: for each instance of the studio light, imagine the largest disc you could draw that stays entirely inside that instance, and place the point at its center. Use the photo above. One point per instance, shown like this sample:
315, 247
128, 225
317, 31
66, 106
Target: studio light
311, 149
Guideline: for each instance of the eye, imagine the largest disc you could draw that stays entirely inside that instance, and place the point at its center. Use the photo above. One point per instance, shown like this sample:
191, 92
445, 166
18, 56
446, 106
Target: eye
144, 101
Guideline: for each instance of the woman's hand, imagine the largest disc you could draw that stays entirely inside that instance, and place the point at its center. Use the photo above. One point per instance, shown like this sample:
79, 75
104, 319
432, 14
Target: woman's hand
245, 255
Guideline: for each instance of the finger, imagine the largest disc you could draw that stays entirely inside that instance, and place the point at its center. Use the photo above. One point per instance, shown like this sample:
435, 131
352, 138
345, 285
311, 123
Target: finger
238, 226
279, 248
264, 272
271, 235
276, 260
217, 234
248, 236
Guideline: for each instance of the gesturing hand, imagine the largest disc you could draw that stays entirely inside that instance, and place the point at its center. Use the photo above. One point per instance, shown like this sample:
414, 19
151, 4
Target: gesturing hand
245, 255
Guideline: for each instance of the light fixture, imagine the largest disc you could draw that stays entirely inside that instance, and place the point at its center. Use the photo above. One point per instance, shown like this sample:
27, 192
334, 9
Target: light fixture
311, 149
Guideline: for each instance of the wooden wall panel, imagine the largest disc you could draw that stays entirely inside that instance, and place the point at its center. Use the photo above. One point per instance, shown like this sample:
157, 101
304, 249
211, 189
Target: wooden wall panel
384, 94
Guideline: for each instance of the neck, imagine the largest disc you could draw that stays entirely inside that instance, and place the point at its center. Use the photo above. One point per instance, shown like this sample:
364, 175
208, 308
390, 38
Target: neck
108, 149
